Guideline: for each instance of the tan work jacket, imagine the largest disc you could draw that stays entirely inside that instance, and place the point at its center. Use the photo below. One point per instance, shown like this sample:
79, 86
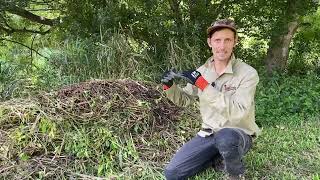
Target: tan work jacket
228, 104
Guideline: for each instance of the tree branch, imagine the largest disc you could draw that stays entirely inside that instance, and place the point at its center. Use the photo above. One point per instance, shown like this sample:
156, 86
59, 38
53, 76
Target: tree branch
13, 9
11, 30
34, 10
5, 29
3, 39
24, 30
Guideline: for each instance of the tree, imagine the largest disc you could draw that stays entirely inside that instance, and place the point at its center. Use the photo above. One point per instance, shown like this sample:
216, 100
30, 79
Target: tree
20, 19
155, 23
284, 30
9, 8
306, 47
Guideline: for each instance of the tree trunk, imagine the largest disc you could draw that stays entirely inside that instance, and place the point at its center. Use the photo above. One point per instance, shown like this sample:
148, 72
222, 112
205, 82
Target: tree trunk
278, 52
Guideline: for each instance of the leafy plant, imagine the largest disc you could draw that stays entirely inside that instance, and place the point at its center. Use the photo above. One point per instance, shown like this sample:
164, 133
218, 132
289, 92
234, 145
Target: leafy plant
284, 97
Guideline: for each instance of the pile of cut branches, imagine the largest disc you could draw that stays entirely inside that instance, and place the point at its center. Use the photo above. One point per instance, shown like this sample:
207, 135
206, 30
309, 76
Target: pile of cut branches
93, 128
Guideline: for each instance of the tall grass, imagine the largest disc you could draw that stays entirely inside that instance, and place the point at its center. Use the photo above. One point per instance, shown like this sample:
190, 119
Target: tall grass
116, 56
112, 57
13, 82
183, 56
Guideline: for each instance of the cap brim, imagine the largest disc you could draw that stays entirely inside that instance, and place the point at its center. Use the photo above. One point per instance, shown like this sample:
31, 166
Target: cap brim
214, 28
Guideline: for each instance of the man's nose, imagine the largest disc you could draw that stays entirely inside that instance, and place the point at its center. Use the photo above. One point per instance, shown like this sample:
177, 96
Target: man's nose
222, 44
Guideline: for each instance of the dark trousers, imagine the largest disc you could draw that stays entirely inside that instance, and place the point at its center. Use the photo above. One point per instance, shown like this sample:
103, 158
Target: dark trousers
200, 152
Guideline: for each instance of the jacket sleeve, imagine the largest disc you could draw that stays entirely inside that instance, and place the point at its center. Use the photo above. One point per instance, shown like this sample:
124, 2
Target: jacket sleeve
236, 106
182, 96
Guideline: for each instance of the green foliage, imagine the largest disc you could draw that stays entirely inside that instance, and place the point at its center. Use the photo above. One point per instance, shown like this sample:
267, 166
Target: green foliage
251, 51
15, 81
99, 143
112, 57
306, 47
150, 25
264, 19
11, 80
48, 127
117, 57
283, 98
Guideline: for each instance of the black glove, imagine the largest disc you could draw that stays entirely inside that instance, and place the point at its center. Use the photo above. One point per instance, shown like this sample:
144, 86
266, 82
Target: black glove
192, 76
195, 78
167, 79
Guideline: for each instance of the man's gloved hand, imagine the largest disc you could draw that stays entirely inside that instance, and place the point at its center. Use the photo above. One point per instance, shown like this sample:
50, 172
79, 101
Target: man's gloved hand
167, 79
195, 78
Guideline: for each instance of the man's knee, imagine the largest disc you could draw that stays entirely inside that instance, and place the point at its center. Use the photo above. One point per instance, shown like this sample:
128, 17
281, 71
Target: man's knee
228, 142
226, 138
171, 173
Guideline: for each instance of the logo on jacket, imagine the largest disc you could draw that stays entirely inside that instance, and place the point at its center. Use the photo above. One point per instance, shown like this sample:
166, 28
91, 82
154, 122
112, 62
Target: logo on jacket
229, 88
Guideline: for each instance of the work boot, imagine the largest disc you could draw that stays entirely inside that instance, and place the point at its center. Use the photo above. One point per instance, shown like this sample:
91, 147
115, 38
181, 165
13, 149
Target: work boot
218, 164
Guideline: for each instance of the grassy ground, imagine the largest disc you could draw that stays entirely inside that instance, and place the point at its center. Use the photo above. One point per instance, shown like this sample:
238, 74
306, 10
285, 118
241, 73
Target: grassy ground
287, 151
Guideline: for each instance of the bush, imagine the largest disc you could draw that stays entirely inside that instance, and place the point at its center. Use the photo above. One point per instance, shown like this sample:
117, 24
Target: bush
285, 98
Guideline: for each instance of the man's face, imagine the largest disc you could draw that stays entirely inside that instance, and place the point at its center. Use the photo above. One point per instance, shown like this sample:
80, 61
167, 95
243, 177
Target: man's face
222, 43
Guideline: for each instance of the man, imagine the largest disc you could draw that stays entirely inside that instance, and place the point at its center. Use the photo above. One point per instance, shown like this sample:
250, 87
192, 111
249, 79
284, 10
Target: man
225, 87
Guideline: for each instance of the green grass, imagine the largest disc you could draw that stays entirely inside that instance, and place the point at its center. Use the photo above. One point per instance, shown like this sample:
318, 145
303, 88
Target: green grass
286, 151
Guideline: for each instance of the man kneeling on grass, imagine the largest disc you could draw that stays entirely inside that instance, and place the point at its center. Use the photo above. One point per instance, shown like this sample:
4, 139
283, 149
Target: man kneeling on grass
225, 87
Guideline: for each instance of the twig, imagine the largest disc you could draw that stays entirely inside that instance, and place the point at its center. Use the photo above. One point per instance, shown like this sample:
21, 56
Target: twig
3, 39
5, 169
87, 176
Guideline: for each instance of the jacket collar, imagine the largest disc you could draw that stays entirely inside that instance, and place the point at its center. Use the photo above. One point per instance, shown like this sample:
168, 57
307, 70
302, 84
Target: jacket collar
230, 65
229, 68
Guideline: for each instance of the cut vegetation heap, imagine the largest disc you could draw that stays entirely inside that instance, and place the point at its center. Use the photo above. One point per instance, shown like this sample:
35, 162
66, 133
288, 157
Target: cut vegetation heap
84, 129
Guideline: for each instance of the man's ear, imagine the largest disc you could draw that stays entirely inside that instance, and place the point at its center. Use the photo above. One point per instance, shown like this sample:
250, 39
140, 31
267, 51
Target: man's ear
236, 41
209, 42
